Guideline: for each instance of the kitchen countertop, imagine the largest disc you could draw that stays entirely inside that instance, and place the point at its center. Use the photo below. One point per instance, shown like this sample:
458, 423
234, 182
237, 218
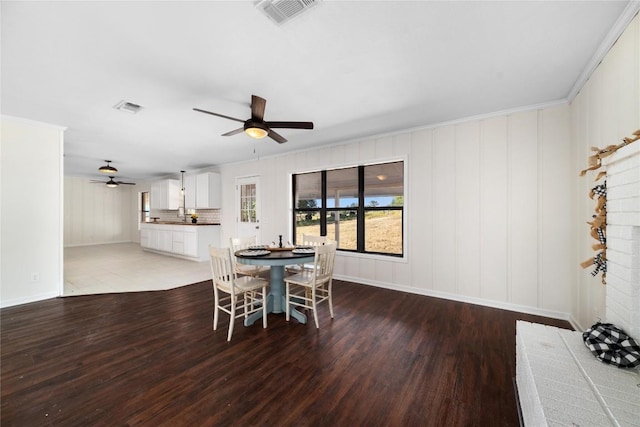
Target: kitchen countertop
181, 223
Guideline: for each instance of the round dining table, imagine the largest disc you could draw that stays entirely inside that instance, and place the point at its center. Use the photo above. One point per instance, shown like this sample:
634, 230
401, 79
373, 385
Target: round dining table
276, 259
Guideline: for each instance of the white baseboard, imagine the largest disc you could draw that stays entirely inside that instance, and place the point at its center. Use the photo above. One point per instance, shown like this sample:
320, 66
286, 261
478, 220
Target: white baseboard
466, 299
26, 300
74, 245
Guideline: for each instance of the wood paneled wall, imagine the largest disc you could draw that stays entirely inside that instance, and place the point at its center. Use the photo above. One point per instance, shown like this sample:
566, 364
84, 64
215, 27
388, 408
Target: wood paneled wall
488, 209
96, 214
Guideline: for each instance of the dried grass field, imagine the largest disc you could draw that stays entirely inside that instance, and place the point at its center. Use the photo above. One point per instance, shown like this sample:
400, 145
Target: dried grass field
383, 232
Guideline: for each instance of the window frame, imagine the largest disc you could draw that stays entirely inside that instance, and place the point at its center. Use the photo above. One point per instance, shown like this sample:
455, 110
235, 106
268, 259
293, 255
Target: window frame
361, 209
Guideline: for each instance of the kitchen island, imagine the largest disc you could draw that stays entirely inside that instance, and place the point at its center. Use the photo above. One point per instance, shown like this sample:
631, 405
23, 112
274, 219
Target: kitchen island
180, 239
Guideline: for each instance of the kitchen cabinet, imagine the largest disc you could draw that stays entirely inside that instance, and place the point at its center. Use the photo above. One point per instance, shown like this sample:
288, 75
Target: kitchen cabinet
183, 241
177, 242
208, 188
165, 194
191, 245
164, 240
190, 191
144, 238
202, 191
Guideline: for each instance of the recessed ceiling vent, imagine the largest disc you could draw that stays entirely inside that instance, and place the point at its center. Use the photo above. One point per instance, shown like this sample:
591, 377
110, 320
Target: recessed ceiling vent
127, 106
281, 11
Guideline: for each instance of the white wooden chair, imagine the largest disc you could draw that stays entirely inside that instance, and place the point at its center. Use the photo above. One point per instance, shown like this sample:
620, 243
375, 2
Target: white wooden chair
307, 240
239, 243
313, 286
241, 295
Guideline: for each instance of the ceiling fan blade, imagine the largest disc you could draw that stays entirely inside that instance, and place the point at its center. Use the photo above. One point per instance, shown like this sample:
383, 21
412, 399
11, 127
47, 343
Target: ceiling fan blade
290, 125
234, 132
94, 181
276, 137
257, 107
219, 115
125, 183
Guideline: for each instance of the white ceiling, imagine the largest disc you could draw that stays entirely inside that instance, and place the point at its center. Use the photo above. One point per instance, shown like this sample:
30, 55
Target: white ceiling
354, 68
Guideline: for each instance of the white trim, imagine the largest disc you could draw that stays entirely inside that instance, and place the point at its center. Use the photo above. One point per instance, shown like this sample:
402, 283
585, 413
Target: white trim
76, 245
610, 39
61, 212
29, 299
576, 325
32, 122
461, 298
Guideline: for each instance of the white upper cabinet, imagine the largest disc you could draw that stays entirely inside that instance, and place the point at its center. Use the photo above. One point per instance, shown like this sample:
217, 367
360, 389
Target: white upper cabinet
190, 191
208, 190
165, 194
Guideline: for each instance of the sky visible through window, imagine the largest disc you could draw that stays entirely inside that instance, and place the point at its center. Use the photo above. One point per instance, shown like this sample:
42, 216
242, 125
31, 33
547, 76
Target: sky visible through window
382, 201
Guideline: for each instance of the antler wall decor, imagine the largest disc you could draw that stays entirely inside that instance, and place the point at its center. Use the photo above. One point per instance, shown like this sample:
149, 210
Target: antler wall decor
599, 223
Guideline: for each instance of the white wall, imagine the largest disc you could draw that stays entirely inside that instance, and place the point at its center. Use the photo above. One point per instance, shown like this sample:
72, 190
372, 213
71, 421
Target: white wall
31, 211
488, 211
606, 110
96, 214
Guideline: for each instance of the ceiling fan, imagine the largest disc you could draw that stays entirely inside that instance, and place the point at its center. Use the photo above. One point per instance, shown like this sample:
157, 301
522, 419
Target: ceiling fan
256, 126
107, 168
111, 183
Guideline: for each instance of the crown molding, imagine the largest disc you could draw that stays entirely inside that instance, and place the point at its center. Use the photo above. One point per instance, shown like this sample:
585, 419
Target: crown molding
610, 39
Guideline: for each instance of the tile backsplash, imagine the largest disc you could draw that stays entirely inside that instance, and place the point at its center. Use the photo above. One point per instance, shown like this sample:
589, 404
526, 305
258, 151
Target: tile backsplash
204, 215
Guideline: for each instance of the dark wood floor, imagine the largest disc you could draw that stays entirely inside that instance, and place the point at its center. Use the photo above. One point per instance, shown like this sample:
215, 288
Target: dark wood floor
151, 359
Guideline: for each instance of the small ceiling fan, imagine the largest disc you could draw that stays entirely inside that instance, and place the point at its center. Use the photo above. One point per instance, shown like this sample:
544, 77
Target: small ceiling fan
107, 168
111, 183
256, 126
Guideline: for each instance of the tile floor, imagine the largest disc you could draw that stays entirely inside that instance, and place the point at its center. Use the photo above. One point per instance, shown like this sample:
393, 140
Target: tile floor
125, 267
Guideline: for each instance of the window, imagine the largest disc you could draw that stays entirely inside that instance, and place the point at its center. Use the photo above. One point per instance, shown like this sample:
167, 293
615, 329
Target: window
248, 203
360, 207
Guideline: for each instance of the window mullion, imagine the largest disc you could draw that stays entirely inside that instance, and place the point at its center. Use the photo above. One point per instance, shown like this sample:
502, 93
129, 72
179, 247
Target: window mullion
360, 216
323, 208
294, 190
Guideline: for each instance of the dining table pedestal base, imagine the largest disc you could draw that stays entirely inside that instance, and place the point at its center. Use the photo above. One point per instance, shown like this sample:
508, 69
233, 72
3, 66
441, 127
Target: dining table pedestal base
276, 298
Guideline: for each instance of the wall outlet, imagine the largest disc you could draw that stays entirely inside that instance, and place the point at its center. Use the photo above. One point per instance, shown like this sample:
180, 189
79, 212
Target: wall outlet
35, 277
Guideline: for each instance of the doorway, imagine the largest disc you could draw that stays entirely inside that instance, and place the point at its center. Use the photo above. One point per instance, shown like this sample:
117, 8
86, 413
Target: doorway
145, 207
248, 207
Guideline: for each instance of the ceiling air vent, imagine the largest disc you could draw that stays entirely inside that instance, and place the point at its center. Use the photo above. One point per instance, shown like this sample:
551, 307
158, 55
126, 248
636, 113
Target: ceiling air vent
129, 107
281, 11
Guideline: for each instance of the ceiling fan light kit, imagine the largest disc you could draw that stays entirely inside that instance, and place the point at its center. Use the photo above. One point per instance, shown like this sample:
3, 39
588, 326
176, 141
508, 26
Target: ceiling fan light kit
107, 168
255, 130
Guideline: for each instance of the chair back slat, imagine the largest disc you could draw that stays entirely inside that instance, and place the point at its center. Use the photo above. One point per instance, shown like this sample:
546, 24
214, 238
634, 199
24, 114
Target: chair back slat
237, 244
222, 270
323, 261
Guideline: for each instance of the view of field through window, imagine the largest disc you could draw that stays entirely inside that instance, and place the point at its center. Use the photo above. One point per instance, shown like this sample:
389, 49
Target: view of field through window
383, 231
361, 207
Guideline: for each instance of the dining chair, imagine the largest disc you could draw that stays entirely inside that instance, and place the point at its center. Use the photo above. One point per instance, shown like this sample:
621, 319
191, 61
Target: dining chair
313, 286
307, 240
241, 295
239, 243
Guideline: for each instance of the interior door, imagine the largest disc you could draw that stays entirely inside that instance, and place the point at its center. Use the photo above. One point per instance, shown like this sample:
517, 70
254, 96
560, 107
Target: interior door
248, 207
